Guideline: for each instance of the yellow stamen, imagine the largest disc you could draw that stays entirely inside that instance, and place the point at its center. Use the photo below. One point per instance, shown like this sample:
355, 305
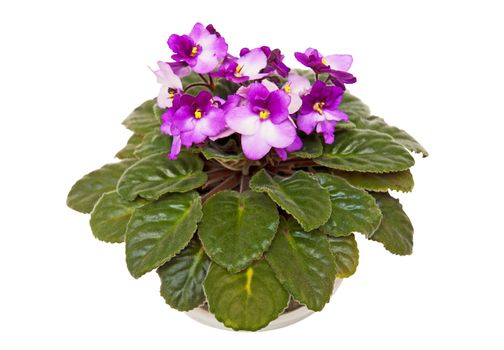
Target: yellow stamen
197, 114
238, 70
264, 114
287, 88
318, 107
194, 51
171, 93
248, 284
324, 61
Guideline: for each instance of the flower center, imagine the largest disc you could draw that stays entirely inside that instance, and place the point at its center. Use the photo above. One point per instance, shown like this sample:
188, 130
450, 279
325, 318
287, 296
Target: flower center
287, 88
264, 114
318, 107
194, 51
324, 61
238, 70
171, 93
198, 114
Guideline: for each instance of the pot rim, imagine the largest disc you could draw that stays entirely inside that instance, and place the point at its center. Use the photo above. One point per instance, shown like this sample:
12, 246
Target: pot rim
283, 320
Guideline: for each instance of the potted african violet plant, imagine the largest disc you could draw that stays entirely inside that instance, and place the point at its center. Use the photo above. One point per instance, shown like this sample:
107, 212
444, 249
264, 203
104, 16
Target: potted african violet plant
244, 182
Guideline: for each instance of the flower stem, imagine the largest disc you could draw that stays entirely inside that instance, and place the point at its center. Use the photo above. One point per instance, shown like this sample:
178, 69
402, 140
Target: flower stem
227, 184
190, 86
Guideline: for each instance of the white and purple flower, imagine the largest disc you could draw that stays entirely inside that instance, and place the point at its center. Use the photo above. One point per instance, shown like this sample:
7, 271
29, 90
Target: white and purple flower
191, 120
263, 121
202, 49
320, 110
171, 85
247, 67
336, 66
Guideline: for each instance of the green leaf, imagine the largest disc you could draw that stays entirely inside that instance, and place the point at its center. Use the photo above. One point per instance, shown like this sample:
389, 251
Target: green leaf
345, 125
159, 230
127, 151
237, 227
182, 278
303, 263
219, 154
365, 151
110, 217
312, 147
346, 255
395, 231
354, 108
399, 136
152, 143
143, 119
353, 209
86, 192
397, 181
155, 175
299, 194
248, 300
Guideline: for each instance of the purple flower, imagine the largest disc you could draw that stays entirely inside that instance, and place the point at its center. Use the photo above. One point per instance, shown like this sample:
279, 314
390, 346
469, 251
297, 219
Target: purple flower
336, 66
319, 110
293, 147
171, 85
263, 121
247, 67
191, 120
274, 61
296, 86
201, 49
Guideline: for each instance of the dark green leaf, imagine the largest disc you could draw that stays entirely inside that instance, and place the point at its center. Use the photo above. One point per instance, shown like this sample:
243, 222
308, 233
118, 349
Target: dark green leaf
110, 217
353, 209
155, 175
354, 108
127, 151
346, 255
248, 300
365, 151
312, 147
399, 136
299, 194
303, 263
395, 231
159, 230
152, 143
86, 192
397, 181
182, 278
237, 227
142, 119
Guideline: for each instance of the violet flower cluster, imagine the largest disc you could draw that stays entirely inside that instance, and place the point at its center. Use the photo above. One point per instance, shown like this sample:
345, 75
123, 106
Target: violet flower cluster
264, 112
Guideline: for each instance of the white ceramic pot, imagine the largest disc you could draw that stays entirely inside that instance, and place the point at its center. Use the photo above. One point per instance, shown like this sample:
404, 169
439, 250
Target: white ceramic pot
286, 319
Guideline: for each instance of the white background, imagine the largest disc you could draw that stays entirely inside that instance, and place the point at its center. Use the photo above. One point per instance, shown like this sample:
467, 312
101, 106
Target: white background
72, 70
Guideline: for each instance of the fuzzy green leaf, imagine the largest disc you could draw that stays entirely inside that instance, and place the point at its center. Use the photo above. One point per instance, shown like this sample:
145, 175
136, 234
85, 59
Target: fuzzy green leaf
152, 143
182, 277
247, 300
397, 181
365, 151
303, 263
237, 227
312, 147
110, 217
86, 192
395, 231
346, 255
353, 209
354, 108
155, 175
159, 230
400, 136
300, 195
127, 151
143, 119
